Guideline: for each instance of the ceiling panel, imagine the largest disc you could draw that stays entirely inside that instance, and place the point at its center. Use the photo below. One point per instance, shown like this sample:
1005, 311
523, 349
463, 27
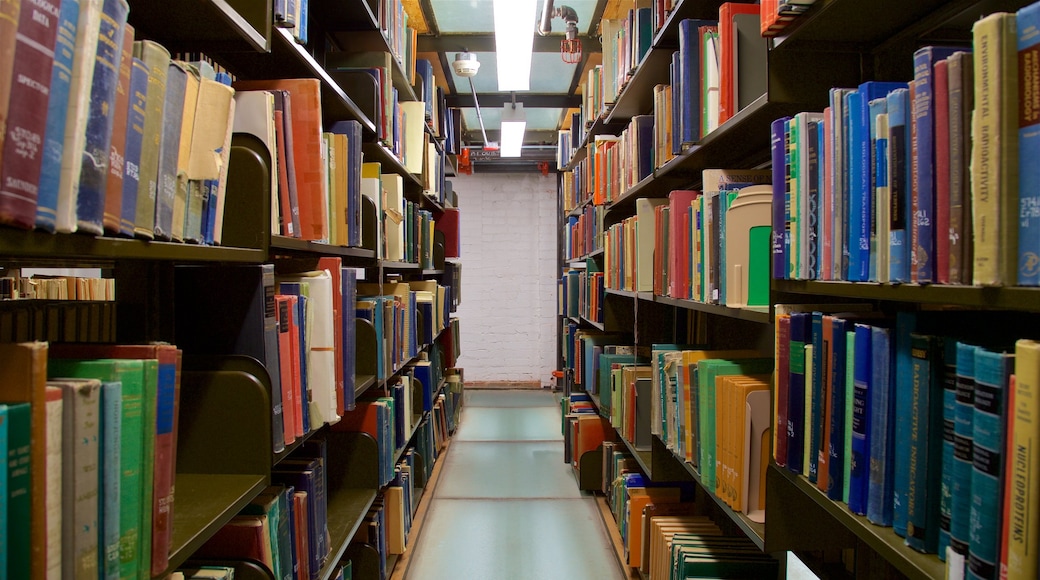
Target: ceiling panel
461, 16
537, 119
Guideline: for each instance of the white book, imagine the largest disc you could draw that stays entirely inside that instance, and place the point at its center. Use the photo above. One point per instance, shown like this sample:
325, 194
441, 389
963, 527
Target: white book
645, 242
254, 114
393, 216
414, 135
321, 345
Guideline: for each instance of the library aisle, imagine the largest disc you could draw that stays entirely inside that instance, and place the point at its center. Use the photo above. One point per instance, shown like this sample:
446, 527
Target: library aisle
506, 505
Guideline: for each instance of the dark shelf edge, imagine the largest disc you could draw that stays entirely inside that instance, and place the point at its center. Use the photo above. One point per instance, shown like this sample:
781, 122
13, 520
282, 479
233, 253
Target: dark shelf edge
754, 531
1007, 297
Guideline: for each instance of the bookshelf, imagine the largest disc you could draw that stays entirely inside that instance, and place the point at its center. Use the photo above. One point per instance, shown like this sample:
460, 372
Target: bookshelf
846, 42
225, 427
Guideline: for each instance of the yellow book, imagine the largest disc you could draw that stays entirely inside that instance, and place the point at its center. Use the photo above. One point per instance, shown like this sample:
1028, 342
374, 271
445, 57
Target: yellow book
689, 407
395, 532
338, 193
191, 99
328, 152
1023, 487
994, 157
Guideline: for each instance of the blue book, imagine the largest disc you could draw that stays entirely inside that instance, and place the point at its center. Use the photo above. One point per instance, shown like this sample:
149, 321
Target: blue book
352, 129
1027, 20
302, 476
815, 384
863, 371
644, 136
963, 455
57, 112
110, 477
992, 370
644, 34
860, 161
348, 315
169, 148
90, 202
689, 80
925, 443
905, 324
134, 141
675, 74
898, 184
949, 420
781, 197
836, 451
923, 253
800, 334
881, 477
878, 176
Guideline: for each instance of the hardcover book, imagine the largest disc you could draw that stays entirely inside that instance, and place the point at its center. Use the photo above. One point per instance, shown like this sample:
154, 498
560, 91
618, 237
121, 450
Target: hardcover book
80, 452
156, 59
135, 122
169, 151
117, 149
1028, 45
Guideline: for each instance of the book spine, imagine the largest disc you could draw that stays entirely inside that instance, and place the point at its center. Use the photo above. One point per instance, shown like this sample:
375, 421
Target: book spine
882, 196
55, 406
117, 148
904, 326
959, 77
898, 171
859, 197
169, 150
987, 485
165, 465
1023, 484
1028, 123
19, 492
941, 86
108, 507
26, 123
93, 173
157, 60
80, 494
850, 399
924, 158
57, 110
876, 108
836, 447
783, 381
136, 111
963, 450
778, 148
860, 458
812, 191
814, 384
922, 497
995, 154
949, 421
882, 432
796, 392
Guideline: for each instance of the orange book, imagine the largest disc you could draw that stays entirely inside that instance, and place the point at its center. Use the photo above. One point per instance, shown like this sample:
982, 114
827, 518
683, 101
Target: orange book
727, 96
114, 183
309, 164
285, 307
638, 499
590, 432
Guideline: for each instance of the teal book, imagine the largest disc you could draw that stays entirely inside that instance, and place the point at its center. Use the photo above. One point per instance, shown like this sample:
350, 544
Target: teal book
963, 449
949, 425
3, 489
57, 113
836, 450
18, 494
992, 371
905, 324
93, 177
109, 479
881, 477
925, 443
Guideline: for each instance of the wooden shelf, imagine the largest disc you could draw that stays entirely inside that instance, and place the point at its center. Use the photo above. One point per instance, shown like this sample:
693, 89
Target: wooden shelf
347, 509
203, 504
637, 97
1007, 298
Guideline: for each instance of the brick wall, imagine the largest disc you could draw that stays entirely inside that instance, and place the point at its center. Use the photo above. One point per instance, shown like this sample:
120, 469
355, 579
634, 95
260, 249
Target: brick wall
508, 246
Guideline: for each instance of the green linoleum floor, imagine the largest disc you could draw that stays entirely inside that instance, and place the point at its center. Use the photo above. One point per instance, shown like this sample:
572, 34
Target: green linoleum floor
506, 506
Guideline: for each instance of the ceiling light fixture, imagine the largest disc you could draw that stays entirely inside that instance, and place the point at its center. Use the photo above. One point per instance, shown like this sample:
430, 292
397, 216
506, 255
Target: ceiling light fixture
514, 123
514, 42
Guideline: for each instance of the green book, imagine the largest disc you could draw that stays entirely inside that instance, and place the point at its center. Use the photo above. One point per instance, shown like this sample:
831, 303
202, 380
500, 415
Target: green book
137, 444
18, 490
850, 367
707, 371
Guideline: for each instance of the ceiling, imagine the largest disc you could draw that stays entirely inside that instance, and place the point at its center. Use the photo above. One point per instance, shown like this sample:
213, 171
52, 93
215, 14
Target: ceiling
446, 27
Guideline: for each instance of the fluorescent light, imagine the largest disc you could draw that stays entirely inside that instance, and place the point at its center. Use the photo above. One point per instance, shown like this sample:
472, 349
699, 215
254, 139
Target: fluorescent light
514, 40
513, 125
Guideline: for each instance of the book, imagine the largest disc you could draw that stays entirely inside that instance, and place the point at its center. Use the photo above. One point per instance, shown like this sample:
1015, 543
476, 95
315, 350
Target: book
80, 453
963, 456
1028, 43
1022, 485
136, 111
169, 151
110, 476
26, 122
16, 489
320, 344
960, 78
689, 128
23, 378
992, 369
836, 458
859, 460
9, 27
729, 60
308, 165
781, 199
995, 160
156, 60
93, 173
881, 477
899, 147
55, 406
117, 149
949, 419
184, 201
924, 492
57, 110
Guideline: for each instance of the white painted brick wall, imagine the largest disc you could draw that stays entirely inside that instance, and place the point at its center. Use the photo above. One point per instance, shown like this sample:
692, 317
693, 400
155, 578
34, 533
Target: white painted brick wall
508, 245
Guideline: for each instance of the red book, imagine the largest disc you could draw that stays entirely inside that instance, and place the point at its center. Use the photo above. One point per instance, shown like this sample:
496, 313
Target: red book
941, 94
727, 96
783, 361
308, 162
363, 419
334, 267
448, 223
679, 202
22, 153
244, 537
285, 306
827, 378
302, 525
117, 148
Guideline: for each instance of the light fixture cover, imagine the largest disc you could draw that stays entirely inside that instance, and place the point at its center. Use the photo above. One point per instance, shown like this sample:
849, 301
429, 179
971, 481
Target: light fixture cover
514, 123
514, 40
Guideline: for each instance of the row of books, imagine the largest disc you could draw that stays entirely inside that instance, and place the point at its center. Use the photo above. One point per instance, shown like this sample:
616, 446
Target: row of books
625, 42
75, 156
710, 246
584, 430
693, 546
915, 424
402, 314
584, 232
57, 321
285, 527
48, 287
294, 15
581, 293
91, 433
908, 210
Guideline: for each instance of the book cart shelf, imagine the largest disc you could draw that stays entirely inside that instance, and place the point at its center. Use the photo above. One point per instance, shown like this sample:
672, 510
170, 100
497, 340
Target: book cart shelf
225, 456
836, 43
